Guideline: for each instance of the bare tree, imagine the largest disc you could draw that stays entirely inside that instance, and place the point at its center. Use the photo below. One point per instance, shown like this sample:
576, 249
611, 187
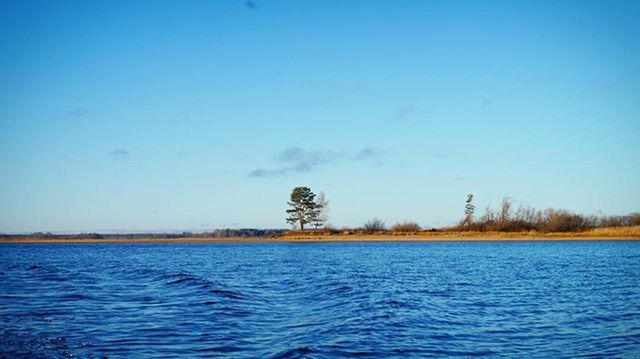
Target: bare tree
505, 210
374, 225
489, 215
322, 209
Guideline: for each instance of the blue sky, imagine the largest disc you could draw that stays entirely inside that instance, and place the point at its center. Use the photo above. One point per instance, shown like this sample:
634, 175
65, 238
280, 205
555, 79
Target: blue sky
204, 114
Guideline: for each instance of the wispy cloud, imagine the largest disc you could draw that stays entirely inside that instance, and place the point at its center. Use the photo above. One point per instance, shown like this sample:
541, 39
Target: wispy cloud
365, 154
78, 112
181, 155
295, 160
119, 154
335, 88
263, 173
403, 112
302, 160
370, 154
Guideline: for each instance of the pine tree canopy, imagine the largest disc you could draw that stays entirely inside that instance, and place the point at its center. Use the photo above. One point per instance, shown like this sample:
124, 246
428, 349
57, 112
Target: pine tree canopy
302, 207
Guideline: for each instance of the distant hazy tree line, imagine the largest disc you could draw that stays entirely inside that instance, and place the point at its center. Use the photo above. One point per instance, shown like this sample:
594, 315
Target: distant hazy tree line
506, 218
243, 233
217, 233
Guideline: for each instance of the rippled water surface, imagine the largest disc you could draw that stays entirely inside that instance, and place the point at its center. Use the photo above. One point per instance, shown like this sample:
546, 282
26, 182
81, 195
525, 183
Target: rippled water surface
320, 299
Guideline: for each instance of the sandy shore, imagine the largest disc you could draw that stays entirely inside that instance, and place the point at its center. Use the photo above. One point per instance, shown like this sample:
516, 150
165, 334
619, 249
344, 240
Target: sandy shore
343, 238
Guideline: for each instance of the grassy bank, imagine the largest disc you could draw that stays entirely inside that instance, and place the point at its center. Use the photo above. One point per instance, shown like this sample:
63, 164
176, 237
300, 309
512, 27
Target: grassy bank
598, 233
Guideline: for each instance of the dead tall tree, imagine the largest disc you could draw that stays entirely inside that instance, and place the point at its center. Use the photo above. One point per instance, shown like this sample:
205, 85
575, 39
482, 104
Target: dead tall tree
322, 209
505, 210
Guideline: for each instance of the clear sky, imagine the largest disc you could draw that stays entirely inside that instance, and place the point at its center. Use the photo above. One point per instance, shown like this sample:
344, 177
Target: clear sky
133, 115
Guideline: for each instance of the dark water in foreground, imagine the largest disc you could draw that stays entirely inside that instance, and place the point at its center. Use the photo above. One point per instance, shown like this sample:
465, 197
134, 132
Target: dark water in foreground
320, 299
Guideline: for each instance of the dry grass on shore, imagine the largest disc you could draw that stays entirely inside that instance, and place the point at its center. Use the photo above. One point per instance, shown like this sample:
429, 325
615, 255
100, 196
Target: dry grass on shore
633, 231
613, 233
608, 232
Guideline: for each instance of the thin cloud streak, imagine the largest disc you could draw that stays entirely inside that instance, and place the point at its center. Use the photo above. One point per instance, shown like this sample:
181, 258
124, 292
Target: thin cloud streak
296, 160
403, 112
78, 112
119, 154
369, 153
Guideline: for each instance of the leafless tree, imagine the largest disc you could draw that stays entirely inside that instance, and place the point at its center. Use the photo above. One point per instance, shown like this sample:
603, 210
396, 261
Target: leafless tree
322, 209
374, 225
505, 210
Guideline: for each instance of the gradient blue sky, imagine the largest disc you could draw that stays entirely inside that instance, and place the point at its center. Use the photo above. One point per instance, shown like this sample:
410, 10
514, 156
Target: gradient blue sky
154, 115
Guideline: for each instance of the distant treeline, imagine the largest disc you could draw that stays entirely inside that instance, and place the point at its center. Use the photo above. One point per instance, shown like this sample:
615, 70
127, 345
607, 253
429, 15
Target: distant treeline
217, 233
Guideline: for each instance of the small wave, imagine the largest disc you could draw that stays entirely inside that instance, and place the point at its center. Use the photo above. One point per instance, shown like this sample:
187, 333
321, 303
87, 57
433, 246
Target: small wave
342, 289
220, 349
46, 273
187, 280
76, 296
294, 353
53, 278
397, 304
27, 345
226, 293
465, 284
182, 280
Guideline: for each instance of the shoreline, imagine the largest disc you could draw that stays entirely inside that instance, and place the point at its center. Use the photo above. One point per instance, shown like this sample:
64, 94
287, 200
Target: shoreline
335, 239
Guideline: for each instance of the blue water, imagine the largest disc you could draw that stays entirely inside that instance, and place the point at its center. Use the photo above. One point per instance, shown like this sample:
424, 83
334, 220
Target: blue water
320, 300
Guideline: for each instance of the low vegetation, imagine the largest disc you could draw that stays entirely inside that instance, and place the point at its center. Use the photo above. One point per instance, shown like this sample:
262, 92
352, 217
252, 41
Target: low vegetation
507, 219
526, 218
374, 225
406, 226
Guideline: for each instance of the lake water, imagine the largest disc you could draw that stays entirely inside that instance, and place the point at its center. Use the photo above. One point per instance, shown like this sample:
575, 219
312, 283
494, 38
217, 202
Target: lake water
320, 299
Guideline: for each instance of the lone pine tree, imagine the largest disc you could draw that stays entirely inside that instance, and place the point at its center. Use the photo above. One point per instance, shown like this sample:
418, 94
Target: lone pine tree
303, 208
